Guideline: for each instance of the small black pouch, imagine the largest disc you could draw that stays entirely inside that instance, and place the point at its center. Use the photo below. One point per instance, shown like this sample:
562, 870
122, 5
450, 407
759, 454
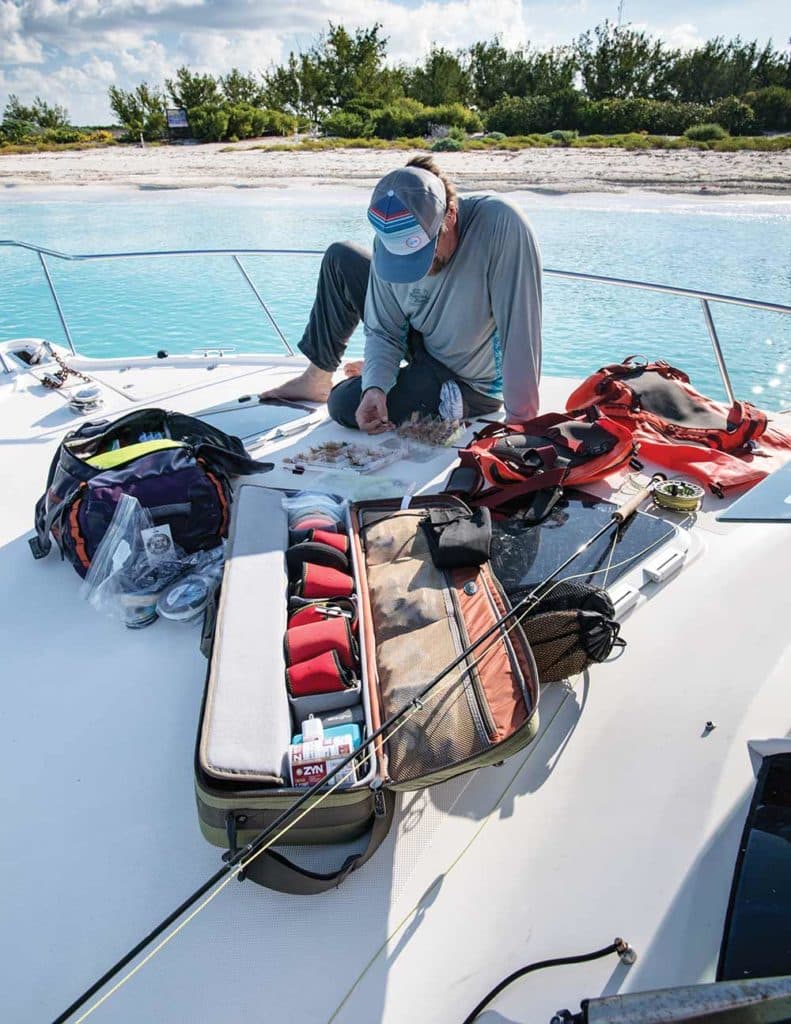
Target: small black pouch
458, 537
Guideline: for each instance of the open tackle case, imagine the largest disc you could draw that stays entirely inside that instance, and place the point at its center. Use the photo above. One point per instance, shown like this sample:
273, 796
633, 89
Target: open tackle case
385, 619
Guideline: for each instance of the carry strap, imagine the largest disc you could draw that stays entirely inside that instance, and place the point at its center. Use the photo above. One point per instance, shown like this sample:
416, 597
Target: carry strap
494, 498
45, 521
638, 362
276, 871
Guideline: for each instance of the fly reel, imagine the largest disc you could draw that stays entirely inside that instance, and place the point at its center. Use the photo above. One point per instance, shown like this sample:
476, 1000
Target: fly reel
678, 495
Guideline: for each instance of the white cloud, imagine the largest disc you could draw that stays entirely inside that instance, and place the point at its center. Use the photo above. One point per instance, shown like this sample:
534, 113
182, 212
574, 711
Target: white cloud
144, 62
14, 47
216, 53
682, 37
16, 50
81, 90
10, 17
84, 26
453, 24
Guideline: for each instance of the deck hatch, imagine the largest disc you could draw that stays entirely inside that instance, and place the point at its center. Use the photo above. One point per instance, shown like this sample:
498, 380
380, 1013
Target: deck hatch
523, 554
255, 421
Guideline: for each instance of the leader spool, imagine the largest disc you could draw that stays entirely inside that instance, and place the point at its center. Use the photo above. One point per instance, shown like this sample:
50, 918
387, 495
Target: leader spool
678, 495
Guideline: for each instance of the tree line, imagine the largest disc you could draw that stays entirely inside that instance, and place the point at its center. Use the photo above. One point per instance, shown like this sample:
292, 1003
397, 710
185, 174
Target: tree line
611, 79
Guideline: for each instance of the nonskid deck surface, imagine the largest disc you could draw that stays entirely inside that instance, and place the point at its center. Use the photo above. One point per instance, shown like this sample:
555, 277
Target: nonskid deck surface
623, 817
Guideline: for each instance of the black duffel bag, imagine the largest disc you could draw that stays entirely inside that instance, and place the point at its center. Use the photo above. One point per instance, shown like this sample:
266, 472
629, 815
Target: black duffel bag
176, 466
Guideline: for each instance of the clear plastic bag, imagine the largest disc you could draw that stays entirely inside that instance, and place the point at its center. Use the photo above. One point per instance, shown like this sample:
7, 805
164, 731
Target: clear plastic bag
137, 562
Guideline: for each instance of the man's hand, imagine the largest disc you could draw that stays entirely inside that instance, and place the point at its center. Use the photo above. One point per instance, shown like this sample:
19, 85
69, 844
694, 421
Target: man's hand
353, 368
371, 415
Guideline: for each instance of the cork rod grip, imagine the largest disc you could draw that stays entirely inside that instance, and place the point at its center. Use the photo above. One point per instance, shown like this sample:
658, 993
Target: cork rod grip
629, 507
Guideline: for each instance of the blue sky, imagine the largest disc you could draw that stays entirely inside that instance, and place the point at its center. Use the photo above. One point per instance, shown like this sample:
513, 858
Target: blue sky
71, 51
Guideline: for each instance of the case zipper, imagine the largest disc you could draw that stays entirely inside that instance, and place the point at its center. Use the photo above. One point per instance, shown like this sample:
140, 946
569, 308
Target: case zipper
485, 721
505, 637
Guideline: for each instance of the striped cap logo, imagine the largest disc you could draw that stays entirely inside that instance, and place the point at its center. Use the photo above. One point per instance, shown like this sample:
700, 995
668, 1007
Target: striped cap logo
406, 211
396, 226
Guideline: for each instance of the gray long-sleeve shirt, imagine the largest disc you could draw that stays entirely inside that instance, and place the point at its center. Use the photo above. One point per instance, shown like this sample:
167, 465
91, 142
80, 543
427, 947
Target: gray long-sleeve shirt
480, 315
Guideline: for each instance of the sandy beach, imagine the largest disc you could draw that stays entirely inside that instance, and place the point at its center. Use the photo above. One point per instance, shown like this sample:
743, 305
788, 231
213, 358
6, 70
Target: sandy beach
557, 170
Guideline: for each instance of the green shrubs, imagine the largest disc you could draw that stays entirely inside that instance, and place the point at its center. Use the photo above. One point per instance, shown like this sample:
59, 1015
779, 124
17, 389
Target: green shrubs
706, 133
407, 117
450, 144
102, 136
346, 125
607, 117
515, 115
772, 108
244, 121
494, 136
455, 115
565, 138
240, 121
520, 115
64, 134
21, 124
43, 139
209, 124
637, 140
141, 112
737, 117
670, 118
658, 117
395, 120
532, 141
523, 115
212, 119
273, 122
447, 145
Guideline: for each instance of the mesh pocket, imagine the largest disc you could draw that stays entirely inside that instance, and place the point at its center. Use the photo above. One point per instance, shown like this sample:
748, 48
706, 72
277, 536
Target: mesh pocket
416, 637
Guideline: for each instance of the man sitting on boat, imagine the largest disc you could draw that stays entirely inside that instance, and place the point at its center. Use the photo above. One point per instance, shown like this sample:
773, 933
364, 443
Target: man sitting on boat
453, 288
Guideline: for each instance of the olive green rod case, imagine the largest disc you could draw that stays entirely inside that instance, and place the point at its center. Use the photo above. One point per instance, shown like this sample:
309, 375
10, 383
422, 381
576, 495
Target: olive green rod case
414, 619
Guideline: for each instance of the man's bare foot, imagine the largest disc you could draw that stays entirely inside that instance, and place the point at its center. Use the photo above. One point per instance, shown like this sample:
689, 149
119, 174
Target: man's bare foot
313, 385
354, 368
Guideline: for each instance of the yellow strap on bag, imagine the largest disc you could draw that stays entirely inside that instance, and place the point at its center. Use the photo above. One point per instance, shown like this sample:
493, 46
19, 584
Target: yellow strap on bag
120, 456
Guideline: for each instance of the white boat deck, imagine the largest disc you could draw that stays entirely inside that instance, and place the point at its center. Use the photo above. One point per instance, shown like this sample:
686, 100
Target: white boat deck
622, 818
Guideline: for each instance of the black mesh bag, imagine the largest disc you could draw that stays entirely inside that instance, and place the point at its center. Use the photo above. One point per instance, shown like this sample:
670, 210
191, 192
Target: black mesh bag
573, 626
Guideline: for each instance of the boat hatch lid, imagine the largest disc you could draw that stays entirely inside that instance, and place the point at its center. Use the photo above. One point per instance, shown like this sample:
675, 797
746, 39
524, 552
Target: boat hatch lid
523, 555
255, 421
768, 502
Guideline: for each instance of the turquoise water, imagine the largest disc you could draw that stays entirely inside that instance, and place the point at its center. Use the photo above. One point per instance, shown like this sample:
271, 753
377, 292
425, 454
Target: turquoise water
142, 305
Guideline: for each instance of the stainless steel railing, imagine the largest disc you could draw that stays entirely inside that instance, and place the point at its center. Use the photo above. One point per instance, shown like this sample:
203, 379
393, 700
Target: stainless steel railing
690, 293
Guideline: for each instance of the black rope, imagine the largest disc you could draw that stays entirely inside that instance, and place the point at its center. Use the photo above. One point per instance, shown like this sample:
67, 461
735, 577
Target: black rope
614, 947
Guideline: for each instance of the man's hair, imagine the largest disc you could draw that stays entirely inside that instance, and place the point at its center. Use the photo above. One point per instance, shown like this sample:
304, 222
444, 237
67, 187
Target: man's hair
427, 163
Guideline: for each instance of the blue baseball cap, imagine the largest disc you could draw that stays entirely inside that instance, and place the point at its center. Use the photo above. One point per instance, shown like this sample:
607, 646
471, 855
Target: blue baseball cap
406, 211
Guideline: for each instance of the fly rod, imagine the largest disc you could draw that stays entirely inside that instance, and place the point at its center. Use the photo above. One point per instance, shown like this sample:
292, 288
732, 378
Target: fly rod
617, 519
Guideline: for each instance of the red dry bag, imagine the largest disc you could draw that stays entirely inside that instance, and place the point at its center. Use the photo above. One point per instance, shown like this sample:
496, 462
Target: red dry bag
681, 429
